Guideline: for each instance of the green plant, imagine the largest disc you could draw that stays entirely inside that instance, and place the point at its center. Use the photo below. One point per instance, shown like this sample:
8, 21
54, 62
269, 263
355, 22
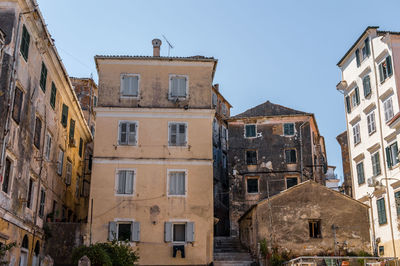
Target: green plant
3, 250
97, 255
264, 247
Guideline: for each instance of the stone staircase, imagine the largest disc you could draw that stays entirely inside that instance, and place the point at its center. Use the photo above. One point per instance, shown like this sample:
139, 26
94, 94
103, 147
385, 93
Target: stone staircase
228, 251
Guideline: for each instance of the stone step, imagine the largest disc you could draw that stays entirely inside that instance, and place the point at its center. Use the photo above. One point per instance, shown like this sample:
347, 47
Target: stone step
233, 263
233, 256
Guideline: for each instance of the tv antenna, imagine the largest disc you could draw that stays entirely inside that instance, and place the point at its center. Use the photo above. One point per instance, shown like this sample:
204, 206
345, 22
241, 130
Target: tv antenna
170, 46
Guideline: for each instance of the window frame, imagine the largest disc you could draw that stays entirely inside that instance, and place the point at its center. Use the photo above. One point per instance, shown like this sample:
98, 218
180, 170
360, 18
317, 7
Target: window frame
258, 185
256, 157
43, 77
291, 177
128, 122
172, 232
185, 171
360, 166
25, 43
48, 144
37, 133
60, 164
42, 205
10, 176
186, 133
364, 82
376, 167
371, 123
245, 131
285, 154
384, 73
385, 111
17, 117
122, 89
356, 132
319, 233
284, 129
379, 211
170, 97
117, 171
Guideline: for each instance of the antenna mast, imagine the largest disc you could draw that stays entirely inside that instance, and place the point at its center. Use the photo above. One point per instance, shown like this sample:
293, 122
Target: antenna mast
170, 46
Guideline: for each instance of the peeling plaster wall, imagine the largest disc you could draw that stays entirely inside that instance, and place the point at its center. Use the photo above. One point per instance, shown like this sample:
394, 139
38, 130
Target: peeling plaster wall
344, 147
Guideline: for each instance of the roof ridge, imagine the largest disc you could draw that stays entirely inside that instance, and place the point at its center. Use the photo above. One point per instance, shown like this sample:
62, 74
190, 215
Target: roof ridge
268, 108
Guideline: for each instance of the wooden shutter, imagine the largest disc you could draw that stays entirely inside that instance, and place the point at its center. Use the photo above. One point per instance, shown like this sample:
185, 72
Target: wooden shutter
80, 147
16, 114
43, 77
367, 46
24, 48
168, 232
173, 132
129, 176
53, 95
71, 129
389, 66
190, 232
358, 57
112, 231
64, 115
395, 158
388, 157
348, 104
38, 131
135, 232
131, 132
356, 91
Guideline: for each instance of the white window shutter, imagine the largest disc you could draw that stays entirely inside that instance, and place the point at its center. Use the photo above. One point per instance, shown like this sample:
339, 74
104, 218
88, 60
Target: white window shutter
168, 232
112, 231
135, 237
190, 232
129, 182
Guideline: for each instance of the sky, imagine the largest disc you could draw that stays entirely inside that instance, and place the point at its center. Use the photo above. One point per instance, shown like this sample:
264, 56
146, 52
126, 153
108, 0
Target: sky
283, 51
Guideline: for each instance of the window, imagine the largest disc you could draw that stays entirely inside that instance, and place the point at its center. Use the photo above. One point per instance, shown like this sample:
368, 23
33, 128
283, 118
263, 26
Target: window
16, 114
92, 130
64, 115
367, 86
314, 228
125, 179
7, 176
291, 181
179, 233
358, 60
71, 129
397, 202
290, 156
85, 189
68, 172
356, 134
348, 104
224, 133
177, 134
129, 85
385, 69
250, 131
371, 122
251, 157
223, 161
381, 250
24, 48
381, 211
127, 133
355, 97
124, 231
376, 165
94, 101
60, 161
48, 146
288, 129
223, 106
176, 183
252, 185
80, 147
360, 173
29, 202
388, 108
178, 87
77, 185
43, 77
42, 202
214, 99
53, 95
366, 51
392, 156
38, 130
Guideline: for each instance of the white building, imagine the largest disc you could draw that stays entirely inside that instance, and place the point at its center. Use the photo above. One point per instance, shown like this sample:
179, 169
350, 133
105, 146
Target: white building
331, 180
370, 84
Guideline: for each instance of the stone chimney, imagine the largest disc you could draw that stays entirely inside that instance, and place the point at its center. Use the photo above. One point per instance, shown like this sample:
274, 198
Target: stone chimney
156, 47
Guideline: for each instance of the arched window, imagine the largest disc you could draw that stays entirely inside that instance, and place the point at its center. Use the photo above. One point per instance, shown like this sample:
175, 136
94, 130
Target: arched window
37, 248
25, 242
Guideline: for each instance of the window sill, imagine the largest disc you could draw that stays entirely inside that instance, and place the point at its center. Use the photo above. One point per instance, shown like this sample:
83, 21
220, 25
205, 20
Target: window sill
356, 144
129, 97
124, 195
370, 134
177, 98
361, 184
176, 196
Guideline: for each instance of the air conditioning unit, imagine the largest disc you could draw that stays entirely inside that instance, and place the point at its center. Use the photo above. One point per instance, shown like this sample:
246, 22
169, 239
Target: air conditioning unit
372, 182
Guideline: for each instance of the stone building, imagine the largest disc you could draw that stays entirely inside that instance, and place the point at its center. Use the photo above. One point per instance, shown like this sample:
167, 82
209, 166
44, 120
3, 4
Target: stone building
271, 148
152, 178
220, 167
347, 185
42, 135
306, 220
370, 76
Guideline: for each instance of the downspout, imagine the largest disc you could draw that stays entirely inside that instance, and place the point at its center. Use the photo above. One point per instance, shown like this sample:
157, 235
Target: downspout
373, 227
383, 149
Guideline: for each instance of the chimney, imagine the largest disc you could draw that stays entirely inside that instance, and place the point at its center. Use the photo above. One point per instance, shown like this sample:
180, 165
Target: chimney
156, 47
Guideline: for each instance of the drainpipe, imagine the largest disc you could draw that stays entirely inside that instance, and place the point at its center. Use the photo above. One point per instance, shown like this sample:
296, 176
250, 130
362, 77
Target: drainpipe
382, 148
373, 227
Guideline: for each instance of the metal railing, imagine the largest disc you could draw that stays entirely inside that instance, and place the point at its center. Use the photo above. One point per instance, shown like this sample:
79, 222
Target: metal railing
343, 260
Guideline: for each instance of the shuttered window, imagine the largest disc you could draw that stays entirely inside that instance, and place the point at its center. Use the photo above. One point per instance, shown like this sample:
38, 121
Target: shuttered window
176, 181
376, 164
385, 69
251, 157
71, 129
7, 176
125, 180
16, 113
355, 97
366, 51
48, 146
360, 173
290, 156
288, 129
367, 85
392, 155
250, 131
381, 211
127, 133
252, 185
68, 172
43, 77
29, 199
124, 231
64, 115
178, 87
179, 232
53, 95
24, 48
371, 122
397, 202
358, 57
388, 108
177, 134
42, 202
80, 147
60, 162
38, 131
356, 134
129, 85
348, 104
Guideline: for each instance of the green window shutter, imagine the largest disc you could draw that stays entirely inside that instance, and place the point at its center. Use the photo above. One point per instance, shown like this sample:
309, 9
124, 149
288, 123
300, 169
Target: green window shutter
389, 65
43, 77
381, 78
348, 104
397, 202
358, 57
388, 157
80, 147
366, 85
395, 160
71, 128
381, 211
64, 115
24, 48
356, 91
53, 95
367, 46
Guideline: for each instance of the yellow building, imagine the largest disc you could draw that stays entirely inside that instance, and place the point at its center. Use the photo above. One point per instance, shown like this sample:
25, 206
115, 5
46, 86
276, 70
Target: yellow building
152, 179
43, 135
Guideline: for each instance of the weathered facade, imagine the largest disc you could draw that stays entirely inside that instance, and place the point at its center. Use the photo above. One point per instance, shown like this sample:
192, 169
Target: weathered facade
347, 185
306, 220
220, 164
271, 148
42, 135
152, 179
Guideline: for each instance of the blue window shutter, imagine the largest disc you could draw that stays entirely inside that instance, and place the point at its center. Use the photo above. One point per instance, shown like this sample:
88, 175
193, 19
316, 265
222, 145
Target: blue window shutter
135, 232
112, 231
358, 57
389, 65
168, 232
189, 232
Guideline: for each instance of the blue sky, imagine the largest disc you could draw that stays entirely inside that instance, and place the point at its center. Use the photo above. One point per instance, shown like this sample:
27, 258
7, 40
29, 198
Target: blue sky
282, 51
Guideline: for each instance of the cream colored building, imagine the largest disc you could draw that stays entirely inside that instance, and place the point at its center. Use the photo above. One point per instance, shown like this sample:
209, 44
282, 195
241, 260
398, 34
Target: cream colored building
43, 135
370, 84
152, 179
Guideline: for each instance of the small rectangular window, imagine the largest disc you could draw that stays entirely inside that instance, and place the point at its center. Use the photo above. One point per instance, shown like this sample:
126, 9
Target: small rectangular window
7, 176
371, 122
356, 134
291, 181
348, 104
252, 185
38, 131
68, 172
125, 182
177, 183
60, 162
43, 77
85, 189
16, 114
355, 97
124, 231
290, 156
64, 115
381, 250
388, 108
392, 157
360, 173
48, 146
358, 60
178, 87
179, 232
251, 157
129, 85
127, 133
385, 69
288, 129
250, 131
29, 198
381, 211
367, 85
177, 134
94, 101
80, 147
42, 202
71, 129
214, 99
397, 202
24, 48
314, 228
376, 165
53, 95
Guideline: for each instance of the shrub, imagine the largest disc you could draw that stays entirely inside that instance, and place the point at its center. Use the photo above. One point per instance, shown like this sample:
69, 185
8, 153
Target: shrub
97, 255
3, 251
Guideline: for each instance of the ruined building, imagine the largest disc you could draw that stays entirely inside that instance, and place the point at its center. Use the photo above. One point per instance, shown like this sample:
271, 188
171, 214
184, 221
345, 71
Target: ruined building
43, 135
271, 148
152, 176
370, 86
220, 166
347, 186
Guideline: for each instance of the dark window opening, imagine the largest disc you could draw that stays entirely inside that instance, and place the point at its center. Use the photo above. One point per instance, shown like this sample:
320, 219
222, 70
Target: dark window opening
250, 131
80, 147
291, 181
64, 115
251, 157
16, 113
42, 202
381, 250
315, 228
38, 130
43, 77
71, 129
290, 156
7, 175
25, 242
288, 129
252, 185
124, 232
179, 233
30, 192
53, 95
